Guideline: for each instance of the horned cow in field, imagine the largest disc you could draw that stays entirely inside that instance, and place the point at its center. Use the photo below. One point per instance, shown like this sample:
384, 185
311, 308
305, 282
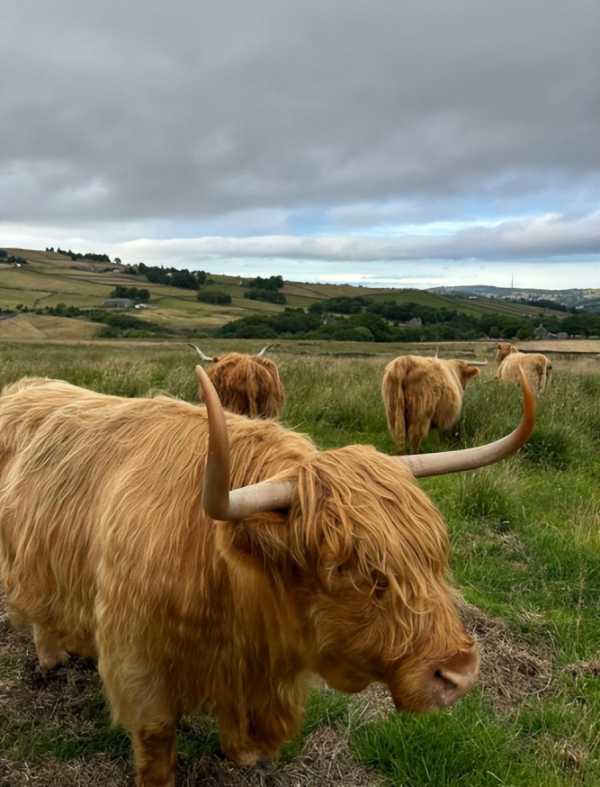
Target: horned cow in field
420, 393
247, 384
536, 367
330, 562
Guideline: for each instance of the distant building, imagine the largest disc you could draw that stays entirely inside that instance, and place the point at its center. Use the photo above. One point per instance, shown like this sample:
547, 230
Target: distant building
542, 333
118, 303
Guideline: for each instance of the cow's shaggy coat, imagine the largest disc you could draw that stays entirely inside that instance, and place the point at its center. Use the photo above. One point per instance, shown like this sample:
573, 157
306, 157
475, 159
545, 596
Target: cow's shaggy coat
105, 549
248, 385
537, 367
421, 393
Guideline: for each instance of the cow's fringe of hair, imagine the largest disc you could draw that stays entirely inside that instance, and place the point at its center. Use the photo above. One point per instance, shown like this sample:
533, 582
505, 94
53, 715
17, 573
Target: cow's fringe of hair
248, 385
363, 515
103, 540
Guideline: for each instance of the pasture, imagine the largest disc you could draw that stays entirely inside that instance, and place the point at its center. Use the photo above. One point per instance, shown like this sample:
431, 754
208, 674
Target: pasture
525, 556
50, 279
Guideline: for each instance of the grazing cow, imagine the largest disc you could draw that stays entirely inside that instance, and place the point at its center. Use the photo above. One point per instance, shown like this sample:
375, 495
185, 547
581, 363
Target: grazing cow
536, 366
421, 393
247, 384
120, 539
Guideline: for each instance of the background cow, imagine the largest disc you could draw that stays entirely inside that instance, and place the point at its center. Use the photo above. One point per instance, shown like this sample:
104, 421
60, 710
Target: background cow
421, 393
537, 367
331, 562
247, 384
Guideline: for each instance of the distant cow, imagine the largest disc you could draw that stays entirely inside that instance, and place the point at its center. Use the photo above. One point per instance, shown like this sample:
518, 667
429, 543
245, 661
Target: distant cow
247, 384
421, 393
330, 562
536, 366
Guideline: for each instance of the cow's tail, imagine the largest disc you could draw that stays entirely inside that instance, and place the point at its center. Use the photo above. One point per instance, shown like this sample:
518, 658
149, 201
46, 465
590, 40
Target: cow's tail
392, 391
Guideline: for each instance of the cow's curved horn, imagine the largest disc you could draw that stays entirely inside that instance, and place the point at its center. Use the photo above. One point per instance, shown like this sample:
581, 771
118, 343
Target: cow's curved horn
217, 500
201, 354
423, 465
264, 350
474, 363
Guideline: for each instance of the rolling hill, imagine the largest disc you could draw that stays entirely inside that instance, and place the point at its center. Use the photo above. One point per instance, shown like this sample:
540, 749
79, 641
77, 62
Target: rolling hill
49, 279
587, 298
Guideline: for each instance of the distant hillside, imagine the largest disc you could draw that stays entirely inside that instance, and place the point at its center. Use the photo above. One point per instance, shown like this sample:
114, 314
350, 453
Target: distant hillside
588, 298
50, 279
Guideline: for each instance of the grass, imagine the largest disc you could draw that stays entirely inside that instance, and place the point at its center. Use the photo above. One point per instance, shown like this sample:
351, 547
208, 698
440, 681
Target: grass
525, 540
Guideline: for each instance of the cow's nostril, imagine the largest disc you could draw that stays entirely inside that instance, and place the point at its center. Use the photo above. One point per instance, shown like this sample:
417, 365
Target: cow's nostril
447, 683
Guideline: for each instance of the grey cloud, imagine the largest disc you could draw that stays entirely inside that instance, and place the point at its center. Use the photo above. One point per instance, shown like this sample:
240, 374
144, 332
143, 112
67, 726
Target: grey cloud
193, 112
537, 238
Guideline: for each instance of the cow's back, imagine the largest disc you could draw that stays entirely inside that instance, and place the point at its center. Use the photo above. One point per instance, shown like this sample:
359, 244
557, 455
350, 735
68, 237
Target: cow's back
425, 392
534, 365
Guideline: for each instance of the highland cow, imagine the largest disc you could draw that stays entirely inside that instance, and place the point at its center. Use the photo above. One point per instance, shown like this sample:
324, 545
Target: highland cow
328, 562
421, 393
536, 366
247, 384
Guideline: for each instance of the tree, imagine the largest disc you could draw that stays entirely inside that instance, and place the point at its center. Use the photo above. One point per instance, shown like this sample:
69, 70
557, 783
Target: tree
214, 296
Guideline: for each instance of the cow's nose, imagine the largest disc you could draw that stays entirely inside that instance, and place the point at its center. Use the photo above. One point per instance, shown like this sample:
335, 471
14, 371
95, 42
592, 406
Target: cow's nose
453, 678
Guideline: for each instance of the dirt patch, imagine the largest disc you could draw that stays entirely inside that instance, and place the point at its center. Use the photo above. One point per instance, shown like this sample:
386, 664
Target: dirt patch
512, 671
583, 669
325, 760
99, 771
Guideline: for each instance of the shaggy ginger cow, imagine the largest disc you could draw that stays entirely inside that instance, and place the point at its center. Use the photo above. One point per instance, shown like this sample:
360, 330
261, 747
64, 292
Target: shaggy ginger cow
537, 367
246, 384
421, 393
328, 562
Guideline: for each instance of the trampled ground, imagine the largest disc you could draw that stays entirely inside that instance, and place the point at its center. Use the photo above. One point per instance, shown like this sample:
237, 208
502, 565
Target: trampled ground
525, 555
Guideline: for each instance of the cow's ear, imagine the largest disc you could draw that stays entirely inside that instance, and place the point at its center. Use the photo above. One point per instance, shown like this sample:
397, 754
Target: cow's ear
471, 371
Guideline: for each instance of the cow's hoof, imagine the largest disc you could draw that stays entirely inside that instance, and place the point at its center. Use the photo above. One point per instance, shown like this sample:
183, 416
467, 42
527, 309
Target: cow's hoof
248, 758
48, 661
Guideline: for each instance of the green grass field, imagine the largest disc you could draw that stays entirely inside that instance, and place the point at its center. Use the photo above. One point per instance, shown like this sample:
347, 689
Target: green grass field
525, 555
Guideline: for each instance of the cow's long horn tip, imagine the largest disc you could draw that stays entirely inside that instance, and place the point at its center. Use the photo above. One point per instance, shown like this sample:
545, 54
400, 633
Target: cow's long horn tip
203, 379
529, 405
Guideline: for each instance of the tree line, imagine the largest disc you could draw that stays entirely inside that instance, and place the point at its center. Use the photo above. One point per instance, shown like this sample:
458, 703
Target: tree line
349, 319
75, 255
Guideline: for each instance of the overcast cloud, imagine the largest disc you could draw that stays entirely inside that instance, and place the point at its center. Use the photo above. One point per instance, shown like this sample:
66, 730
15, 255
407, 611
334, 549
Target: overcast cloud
343, 134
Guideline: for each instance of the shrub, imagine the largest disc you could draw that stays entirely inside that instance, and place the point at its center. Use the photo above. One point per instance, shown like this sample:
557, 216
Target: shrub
213, 296
270, 296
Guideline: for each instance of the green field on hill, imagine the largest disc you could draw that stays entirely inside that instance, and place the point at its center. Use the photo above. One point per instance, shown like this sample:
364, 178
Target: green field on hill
49, 279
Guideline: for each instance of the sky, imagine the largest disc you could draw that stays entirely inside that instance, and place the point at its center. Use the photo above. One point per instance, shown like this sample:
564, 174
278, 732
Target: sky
418, 143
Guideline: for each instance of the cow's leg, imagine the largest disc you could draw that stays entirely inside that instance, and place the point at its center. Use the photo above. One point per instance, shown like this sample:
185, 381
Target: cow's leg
257, 734
48, 648
418, 431
234, 735
155, 753
543, 376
